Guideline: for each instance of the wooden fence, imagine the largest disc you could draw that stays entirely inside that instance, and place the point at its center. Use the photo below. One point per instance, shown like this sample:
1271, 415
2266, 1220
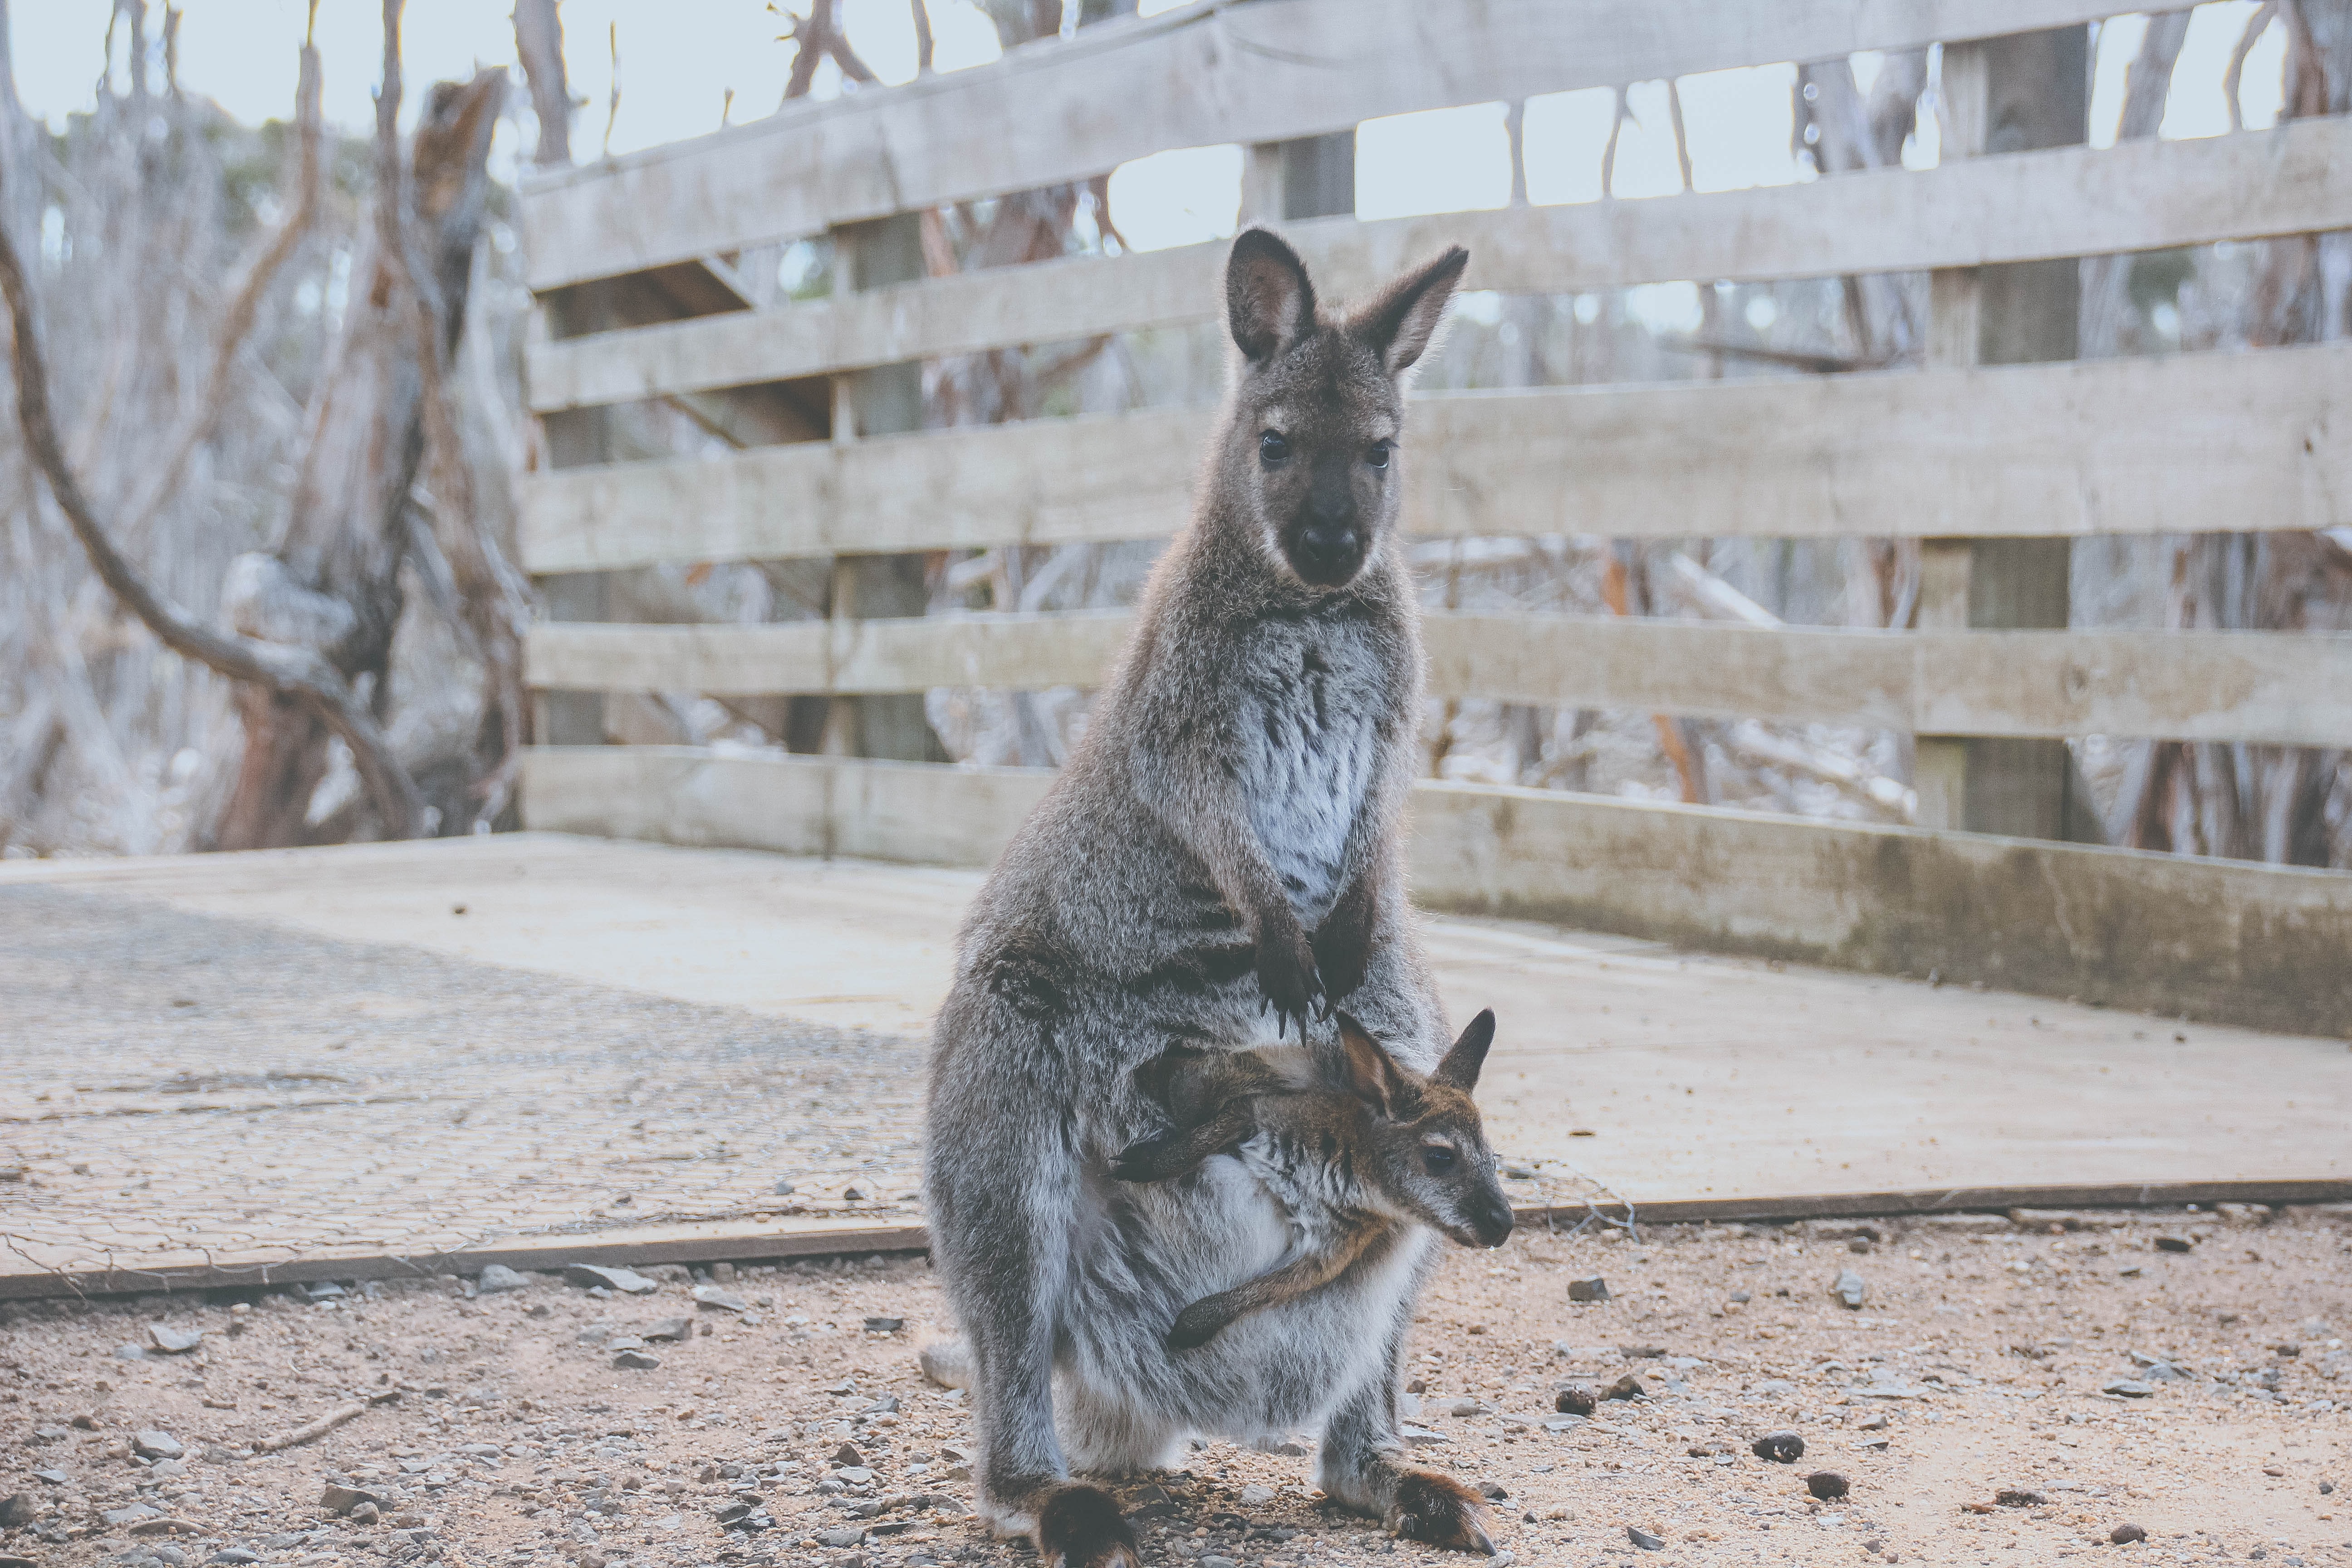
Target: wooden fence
1957, 455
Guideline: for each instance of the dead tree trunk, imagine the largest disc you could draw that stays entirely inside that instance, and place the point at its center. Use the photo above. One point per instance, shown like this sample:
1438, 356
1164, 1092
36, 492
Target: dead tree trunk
332, 584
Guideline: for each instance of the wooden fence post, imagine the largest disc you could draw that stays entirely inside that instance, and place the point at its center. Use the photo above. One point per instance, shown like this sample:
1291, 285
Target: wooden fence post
2004, 95
886, 400
1314, 176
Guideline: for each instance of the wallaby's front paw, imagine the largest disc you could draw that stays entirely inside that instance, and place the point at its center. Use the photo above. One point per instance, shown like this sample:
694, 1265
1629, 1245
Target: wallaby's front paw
1143, 1162
1343, 942
1439, 1510
1286, 974
1081, 1527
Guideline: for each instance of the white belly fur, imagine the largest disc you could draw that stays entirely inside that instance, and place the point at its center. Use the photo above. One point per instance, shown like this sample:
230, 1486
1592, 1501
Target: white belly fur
1304, 794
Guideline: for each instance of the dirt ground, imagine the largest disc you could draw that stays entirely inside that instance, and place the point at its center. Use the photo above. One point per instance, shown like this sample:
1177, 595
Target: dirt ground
496, 1427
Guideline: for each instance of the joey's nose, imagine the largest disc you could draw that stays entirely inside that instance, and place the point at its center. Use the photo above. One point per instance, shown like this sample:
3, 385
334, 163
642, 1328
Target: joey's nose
1493, 1219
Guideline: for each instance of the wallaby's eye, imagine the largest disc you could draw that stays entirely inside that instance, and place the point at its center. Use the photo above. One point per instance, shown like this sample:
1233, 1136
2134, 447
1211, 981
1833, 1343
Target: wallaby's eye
1438, 1159
1378, 455
1273, 448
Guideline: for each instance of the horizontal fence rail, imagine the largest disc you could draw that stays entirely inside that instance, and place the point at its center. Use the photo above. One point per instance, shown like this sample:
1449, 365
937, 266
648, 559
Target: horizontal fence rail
2137, 195
2280, 688
2115, 926
2255, 440
1210, 73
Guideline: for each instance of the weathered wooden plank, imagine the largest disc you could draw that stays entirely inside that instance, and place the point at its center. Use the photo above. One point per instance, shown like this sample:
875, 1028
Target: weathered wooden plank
2251, 440
1210, 73
2286, 689
2228, 941
2138, 195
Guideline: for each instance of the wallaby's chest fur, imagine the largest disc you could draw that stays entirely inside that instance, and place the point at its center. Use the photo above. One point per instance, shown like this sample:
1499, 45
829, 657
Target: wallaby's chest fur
1311, 726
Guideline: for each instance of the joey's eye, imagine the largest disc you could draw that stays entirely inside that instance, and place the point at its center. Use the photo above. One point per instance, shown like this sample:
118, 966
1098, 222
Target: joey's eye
1273, 448
1439, 1160
1378, 455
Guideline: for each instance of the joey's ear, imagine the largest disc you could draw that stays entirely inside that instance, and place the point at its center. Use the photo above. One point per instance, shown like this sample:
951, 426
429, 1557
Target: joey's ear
1398, 323
1267, 297
1460, 1068
1373, 1076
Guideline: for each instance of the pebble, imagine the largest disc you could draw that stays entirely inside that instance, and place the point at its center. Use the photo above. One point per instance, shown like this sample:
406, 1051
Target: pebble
671, 1329
947, 1363
1466, 1407
151, 1444
636, 1361
628, 1282
131, 1353
16, 1510
2128, 1388
1826, 1484
842, 1537
885, 1325
847, 1454
783, 1188
713, 1297
497, 1278
1780, 1447
57, 1479
1588, 1290
2173, 1244
1626, 1387
1574, 1401
1644, 1539
1213, 1561
1493, 1491
175, 1341
235, 1555
2125, 1534
2020, 1497
338, 1498
1257, 1496
1850, 1289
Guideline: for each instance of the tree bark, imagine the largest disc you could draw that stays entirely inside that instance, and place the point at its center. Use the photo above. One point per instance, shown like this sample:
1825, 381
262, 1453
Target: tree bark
332, 584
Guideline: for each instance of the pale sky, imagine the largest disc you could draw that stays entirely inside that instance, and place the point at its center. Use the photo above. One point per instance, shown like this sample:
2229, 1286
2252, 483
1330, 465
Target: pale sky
678, 58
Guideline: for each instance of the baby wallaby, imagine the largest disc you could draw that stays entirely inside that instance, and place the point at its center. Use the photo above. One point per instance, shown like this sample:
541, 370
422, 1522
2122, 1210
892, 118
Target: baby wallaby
1350, 1148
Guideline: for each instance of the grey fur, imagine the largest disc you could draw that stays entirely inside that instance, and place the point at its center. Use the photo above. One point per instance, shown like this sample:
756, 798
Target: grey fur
1221, 846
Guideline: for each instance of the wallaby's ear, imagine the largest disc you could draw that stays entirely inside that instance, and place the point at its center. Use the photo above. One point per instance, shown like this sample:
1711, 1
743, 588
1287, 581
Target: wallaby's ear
1373, 1076
1460, 1068
1267, 296
1399, 320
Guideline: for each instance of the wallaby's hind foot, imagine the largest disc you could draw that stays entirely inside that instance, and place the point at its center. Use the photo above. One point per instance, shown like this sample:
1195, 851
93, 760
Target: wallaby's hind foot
1439, 1510
1206, 1319
1081, 1527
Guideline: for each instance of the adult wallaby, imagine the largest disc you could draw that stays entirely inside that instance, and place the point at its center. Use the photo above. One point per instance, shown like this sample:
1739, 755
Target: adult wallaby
1351, 1155
1222, 845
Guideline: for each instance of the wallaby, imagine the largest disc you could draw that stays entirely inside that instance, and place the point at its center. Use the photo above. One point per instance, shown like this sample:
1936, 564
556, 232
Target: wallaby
1349, 1161
1217, 862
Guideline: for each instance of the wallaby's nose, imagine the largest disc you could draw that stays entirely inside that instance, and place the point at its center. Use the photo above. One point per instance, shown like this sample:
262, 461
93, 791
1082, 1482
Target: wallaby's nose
1327, 544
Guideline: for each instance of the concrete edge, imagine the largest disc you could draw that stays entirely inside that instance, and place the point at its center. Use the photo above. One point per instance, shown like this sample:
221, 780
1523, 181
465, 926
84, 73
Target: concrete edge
748, 1242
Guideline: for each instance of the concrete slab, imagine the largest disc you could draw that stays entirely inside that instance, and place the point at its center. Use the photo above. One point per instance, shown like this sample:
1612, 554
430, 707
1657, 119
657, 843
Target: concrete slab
1666, 1076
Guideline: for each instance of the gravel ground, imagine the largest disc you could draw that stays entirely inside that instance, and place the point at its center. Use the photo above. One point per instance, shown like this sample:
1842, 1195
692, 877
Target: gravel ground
496, 1427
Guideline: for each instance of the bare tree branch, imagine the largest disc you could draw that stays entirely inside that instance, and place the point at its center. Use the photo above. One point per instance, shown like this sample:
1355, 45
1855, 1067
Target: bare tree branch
539, 44
293, 672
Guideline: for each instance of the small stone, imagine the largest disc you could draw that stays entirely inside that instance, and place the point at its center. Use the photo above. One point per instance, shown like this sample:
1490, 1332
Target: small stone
625, 1342
1740, 1298
129, 1353
1213, 1561
2125, 1534
1292, 1448
16, 1510
2173, 1244
57, 1479
1418, 1436
672, 1329
1518, 1171
322, 1291
130, 1515
1493, 1491
846, 1536
1850, 1289
1588, 1290
1644, 1539
1257, 1496
1626, 1387
711, 1296
855, 1475
2128, 1388
166, 1525
2020, 1497
627, 1281
1575, 1401
174, 1342
338, 1498
846, 1456
1780, 1448
497, 1278
1859, 1244
783, 1187
235, 1556
636, 1361
365, 1513
151, 1444
1826, 1484
1465, 1407
947, 1363
885, 1325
